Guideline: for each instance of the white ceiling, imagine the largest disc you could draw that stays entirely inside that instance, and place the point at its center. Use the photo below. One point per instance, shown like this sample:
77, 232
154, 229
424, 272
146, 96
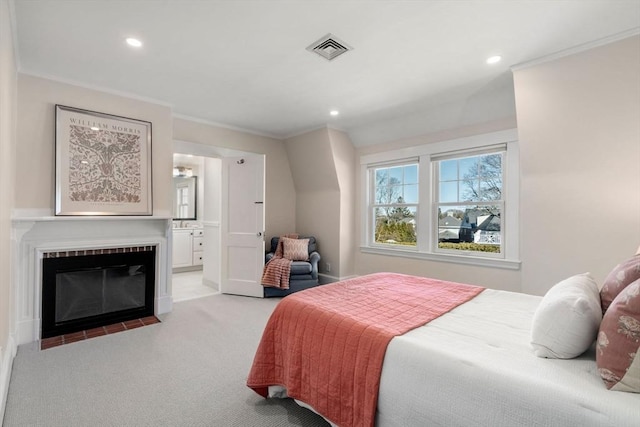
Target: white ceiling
416, 66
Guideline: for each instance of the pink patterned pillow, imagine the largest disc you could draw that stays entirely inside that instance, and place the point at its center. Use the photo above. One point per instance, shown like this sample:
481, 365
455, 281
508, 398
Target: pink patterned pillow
295, 249
618, 345
621, 276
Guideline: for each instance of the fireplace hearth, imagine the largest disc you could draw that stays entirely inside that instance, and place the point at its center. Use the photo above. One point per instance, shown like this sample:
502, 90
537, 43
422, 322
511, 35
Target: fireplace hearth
92, 288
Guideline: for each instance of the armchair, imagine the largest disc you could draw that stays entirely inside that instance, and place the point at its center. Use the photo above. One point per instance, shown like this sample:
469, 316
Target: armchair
304, 274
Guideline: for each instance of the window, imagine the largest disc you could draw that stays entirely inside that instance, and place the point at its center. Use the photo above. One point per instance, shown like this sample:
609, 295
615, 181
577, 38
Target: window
453, 201
183, 200
395, 204
469, 202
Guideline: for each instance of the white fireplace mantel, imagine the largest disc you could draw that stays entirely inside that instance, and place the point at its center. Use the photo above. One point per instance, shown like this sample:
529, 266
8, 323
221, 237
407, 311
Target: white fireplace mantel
34, 235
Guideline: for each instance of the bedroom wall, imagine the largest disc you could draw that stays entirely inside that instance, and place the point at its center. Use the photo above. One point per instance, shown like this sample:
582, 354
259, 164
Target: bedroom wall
8, 105
483, 276
579, 131
317, 194
280, 197
344, 158
35, 154
483, 101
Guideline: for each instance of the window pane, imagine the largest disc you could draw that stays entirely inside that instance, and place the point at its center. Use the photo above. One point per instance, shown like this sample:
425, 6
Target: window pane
395, 226
449, 220
448, 170
411, 194
395, 175
479, 179
469, 190
382, 176
381, 195
470, 228
490, 189
448, 192
394, 222
491, 165
468, 167
388, 194
411, 174
395, 194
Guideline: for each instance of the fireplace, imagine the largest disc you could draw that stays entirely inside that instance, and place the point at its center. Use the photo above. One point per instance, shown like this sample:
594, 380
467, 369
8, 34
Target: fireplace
96, 287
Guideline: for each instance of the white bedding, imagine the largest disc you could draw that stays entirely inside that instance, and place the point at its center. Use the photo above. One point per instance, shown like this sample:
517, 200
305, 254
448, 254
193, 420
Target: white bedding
474, 366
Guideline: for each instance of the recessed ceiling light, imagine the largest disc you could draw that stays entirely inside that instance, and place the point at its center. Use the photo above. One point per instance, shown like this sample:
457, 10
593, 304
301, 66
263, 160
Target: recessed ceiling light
134, 42
494, 59
334, 112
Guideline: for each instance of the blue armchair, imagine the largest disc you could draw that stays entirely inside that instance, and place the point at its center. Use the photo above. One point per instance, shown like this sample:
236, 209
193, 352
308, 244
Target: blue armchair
304, 274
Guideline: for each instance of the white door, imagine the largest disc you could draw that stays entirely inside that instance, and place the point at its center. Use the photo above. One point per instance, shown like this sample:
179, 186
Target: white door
242, 225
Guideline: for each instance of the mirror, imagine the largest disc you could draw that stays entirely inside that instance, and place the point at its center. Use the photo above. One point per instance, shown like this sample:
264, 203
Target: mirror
185, 197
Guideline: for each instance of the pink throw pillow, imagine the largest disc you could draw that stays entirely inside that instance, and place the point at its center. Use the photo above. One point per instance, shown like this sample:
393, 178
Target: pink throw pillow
619, 278
618, 345
295, 249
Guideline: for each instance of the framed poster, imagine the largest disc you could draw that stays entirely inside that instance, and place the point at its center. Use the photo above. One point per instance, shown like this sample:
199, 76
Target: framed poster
103, 164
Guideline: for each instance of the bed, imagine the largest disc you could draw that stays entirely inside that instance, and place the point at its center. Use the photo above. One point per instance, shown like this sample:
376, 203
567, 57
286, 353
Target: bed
469, 363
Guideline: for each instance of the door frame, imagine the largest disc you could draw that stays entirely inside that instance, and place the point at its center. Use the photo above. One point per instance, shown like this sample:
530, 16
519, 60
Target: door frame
205, 150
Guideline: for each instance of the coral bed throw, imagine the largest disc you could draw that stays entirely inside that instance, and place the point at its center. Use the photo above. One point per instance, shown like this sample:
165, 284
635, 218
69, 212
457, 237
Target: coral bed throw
326, 345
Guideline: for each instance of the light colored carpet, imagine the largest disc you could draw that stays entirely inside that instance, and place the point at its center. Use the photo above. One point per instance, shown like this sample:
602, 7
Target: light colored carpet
189, 370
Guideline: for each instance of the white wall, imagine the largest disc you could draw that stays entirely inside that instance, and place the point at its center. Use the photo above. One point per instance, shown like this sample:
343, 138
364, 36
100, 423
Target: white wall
35, 156
483, 101
579, 131
318, 194
8, 100
280, 193
344, 159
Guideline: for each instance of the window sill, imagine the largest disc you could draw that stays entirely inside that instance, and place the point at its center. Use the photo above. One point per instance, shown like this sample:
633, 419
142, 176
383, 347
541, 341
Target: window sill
506, 264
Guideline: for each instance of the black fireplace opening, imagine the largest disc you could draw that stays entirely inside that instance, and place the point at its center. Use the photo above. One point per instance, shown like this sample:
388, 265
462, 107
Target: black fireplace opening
81, 292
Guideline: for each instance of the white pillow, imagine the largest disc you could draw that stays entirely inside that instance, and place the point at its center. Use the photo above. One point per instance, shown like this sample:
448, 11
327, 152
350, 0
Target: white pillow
566, 322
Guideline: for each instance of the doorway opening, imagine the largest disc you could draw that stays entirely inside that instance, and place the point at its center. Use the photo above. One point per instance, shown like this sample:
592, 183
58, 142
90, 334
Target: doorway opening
212, 200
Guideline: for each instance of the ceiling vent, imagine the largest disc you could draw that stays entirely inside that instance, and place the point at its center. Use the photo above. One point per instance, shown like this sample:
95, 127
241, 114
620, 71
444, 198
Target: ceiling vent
329, 47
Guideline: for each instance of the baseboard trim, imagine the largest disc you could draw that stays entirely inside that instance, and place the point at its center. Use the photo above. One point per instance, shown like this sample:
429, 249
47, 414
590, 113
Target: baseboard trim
6, 363
211, 284
325, 278
27, 331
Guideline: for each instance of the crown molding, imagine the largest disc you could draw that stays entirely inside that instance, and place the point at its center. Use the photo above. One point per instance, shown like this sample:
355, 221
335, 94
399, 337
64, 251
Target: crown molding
224, 126
577, 49
97, 88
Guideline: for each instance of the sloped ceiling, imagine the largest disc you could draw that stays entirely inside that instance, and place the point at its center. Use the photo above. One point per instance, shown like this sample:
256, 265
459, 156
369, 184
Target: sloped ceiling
244, 64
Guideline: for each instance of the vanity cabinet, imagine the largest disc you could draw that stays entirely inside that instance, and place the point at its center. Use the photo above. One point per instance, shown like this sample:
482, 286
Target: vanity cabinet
188, 245
197, 246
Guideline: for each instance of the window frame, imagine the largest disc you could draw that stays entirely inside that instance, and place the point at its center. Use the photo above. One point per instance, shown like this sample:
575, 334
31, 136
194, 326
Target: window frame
427, 228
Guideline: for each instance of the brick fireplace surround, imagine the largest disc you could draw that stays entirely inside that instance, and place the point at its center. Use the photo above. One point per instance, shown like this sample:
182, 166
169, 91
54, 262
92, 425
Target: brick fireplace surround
97, 332
36, 236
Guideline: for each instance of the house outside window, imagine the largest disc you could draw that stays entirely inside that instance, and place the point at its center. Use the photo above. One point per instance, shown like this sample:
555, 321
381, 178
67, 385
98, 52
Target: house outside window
395, 204
451, 201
